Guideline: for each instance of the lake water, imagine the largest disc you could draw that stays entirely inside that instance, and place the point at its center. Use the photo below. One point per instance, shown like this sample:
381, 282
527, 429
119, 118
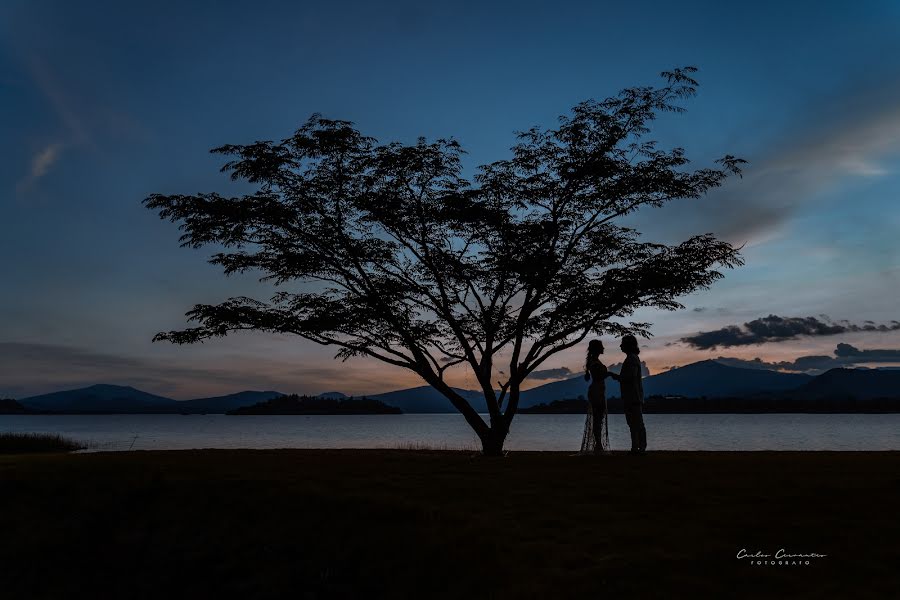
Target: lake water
529, 432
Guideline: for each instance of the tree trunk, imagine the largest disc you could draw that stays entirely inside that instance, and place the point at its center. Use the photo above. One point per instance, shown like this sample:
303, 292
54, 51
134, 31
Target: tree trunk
492, 441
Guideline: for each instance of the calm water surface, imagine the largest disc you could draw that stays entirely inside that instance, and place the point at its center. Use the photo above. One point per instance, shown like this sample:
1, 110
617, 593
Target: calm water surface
529, 432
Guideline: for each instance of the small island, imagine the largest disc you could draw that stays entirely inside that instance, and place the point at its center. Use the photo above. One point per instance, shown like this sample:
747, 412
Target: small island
8, 406
316, 405
558, 407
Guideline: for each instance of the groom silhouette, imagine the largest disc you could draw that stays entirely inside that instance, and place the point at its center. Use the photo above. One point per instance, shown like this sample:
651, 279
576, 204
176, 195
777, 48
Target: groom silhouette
632, 392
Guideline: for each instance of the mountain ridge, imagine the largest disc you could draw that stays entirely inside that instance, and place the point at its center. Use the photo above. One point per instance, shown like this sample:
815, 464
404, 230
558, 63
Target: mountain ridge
124, 399
703, 379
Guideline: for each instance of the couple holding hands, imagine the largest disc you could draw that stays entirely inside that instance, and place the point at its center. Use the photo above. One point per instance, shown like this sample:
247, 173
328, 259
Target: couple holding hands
596, 432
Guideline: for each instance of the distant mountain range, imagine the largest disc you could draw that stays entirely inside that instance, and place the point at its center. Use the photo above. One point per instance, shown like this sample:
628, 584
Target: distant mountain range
852, 383
426, 399
713, 379
709, 379
706, 378
128, 400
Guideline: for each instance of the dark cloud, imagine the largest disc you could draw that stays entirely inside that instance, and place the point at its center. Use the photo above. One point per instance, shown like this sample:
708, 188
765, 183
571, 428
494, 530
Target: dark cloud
743, 363
551, 373
778, 329
846, 351
845, 355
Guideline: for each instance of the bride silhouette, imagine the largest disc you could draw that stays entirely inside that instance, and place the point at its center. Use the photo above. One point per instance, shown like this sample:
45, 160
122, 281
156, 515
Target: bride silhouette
596, 431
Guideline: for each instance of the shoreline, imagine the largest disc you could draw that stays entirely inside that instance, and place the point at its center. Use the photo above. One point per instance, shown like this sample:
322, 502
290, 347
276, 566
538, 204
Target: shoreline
473, 451
519, 414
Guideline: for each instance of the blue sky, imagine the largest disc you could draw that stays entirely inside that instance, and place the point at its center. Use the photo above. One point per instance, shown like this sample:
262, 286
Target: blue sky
105, 103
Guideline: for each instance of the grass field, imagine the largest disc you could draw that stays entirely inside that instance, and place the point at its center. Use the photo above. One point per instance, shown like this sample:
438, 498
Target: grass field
420, 524
28, 443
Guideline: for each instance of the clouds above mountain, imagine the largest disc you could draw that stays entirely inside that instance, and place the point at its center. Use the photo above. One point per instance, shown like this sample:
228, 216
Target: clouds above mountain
645, 370
779, 329
846, 351
551, 373
32, 368
563, 372
845, 355
29, 368
803, 364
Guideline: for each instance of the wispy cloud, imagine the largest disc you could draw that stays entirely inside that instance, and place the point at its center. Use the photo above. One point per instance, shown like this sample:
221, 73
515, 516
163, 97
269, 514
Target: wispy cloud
41, 163
75, 131
848, 135
64, 107
33, 368
43, 160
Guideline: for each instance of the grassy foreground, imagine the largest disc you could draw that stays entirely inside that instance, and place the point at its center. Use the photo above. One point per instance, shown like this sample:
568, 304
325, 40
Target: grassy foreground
418, 524
26, 443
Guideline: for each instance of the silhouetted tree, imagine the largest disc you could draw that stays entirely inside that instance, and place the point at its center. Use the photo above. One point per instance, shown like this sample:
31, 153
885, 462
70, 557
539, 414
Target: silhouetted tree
409, 263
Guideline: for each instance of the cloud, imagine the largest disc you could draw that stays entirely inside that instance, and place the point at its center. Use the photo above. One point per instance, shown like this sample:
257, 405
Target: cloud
778, 329
70, 114
76, 132
31, 368
49, 85
566, 372
44, 159
71, 356
844, 136
24, 365
744, 363
645, 370
551, 373
803, 364
846, 351
845, 355
40, 164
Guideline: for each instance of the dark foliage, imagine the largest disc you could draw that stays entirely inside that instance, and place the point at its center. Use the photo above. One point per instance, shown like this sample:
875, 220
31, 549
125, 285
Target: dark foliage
409, 263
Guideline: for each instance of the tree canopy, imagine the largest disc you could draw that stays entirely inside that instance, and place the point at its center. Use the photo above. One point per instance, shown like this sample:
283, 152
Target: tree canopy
402, 259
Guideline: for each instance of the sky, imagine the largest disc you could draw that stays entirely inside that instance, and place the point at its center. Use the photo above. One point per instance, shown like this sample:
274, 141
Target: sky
104, 103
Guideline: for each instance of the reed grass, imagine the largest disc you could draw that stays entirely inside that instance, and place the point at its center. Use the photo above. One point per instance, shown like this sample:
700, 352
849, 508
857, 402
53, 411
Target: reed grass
26, 443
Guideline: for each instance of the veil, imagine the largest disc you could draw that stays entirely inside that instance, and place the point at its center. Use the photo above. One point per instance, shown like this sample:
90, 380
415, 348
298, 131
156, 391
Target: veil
588, 443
